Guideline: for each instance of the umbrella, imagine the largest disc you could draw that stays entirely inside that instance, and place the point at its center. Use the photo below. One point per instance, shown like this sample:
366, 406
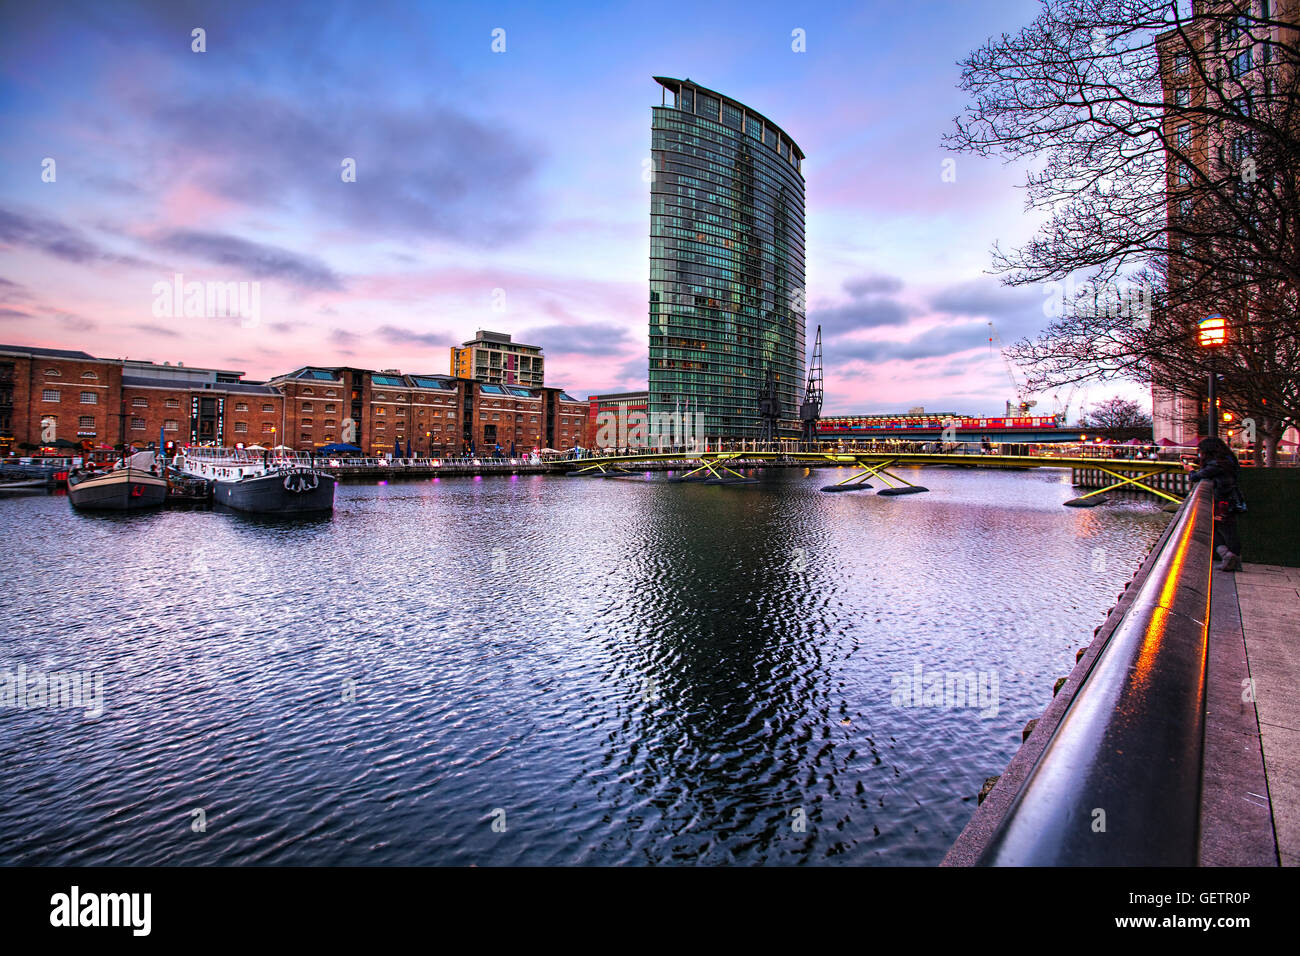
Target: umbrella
1136, 441
1166, 443
331, 449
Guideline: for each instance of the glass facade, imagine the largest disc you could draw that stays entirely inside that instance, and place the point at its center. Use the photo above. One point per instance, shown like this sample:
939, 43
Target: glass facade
726, 262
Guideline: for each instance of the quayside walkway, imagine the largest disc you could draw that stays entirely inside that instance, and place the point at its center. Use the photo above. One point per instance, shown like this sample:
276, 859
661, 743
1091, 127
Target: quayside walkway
1268, 602
1176, 738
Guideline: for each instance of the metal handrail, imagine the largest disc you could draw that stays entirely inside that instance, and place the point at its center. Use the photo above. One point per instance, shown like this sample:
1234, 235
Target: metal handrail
1119, 782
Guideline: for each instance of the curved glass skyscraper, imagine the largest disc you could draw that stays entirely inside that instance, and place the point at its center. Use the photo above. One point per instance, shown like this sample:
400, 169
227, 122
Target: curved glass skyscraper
726, 263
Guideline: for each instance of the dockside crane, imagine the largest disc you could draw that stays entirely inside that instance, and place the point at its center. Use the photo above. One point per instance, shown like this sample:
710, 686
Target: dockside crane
810, 409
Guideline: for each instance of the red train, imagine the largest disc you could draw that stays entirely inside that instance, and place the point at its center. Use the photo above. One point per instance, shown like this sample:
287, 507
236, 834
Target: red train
866, 424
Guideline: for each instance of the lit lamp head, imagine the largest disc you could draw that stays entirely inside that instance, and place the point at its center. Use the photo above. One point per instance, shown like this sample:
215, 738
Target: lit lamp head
1212, 332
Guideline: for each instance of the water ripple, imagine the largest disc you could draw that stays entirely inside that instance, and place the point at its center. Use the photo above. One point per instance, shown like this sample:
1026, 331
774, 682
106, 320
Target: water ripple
540, 670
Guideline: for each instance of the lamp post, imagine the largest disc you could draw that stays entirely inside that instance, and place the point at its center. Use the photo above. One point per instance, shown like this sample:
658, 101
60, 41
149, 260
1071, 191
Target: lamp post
1212, 334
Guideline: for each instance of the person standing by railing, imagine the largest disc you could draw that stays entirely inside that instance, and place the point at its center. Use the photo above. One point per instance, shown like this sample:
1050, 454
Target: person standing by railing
1220, 465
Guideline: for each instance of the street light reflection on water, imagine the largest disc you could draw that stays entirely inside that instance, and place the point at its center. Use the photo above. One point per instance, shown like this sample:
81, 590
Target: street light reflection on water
545, 670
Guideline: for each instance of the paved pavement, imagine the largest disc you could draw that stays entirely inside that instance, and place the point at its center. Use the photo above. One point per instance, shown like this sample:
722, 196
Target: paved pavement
1236, 818
1269, 599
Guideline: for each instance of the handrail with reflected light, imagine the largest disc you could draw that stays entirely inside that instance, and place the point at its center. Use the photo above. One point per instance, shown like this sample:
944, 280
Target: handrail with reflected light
1119, 781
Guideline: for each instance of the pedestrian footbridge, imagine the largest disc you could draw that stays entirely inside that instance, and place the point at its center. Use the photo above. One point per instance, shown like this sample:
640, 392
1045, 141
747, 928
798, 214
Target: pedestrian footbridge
723, 467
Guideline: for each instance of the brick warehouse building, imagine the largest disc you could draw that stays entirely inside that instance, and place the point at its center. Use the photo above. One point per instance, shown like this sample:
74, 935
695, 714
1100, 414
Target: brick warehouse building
51, 394
436, 414
197, 406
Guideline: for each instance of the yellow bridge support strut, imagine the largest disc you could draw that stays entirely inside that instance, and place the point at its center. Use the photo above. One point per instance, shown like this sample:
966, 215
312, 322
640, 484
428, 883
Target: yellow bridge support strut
714, 466
897, 485
1130, 479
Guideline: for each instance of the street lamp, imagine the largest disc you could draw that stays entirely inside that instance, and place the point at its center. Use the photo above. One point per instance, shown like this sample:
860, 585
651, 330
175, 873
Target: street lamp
1212, 334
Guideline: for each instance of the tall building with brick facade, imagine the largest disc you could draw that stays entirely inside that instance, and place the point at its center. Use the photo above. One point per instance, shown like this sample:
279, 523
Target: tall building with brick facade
1238, 52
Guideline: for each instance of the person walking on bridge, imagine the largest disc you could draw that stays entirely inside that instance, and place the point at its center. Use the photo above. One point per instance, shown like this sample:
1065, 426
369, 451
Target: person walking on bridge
1220, 465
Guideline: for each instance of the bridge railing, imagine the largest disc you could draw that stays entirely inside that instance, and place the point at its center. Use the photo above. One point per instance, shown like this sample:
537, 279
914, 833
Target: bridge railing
907, 446
1119, 780
408, 464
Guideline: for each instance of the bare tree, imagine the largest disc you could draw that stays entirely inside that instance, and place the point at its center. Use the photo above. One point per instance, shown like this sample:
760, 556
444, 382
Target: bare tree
1115, 412
1167, 155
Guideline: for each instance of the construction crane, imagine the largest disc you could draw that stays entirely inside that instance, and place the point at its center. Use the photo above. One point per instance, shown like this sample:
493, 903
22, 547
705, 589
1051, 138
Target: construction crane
810, 410
1063, 408
1022, 405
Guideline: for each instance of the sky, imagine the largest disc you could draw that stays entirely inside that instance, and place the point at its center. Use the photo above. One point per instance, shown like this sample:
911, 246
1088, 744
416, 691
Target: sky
496, 189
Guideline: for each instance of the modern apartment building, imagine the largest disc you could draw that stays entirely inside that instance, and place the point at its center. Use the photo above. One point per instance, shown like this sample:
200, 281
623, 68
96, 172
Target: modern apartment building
727, 297
492, 357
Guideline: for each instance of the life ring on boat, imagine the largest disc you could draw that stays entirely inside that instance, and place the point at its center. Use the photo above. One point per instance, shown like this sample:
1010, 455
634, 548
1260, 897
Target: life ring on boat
300, 481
